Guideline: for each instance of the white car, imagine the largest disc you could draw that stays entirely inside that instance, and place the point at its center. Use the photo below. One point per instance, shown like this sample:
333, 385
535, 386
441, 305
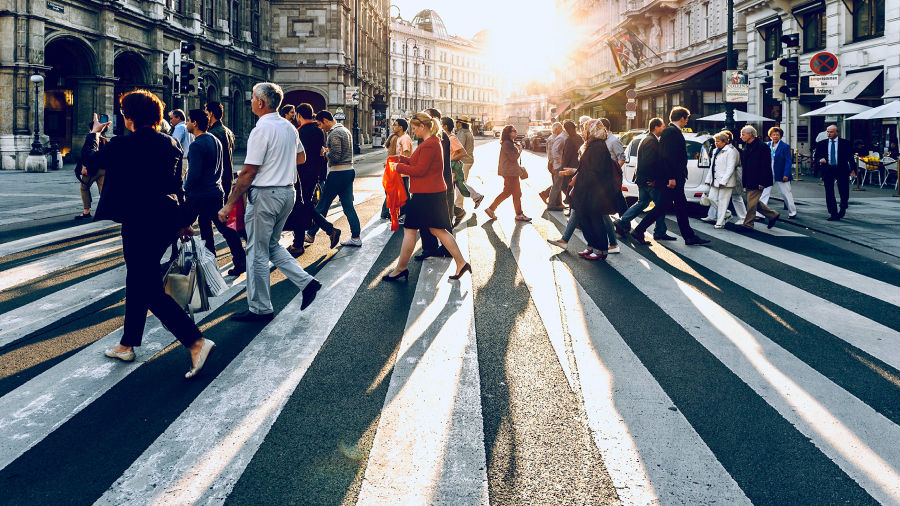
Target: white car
699, 149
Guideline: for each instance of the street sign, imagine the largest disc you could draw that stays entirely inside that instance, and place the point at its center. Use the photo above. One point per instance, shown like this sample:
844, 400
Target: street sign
736, 86
631, 94
171, 60
823, 91
630, 114
630, 106
339, 115
823, 63
829, 81
351, 95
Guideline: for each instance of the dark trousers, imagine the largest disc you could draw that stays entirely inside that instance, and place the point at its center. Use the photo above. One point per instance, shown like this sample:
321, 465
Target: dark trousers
669, 199
205, 210
143, 246
304, 214
429, 241
829, 176
594, 229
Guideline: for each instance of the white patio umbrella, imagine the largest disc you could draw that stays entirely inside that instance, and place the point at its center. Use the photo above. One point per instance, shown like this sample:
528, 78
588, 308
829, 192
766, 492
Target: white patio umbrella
739, 116
841, 108
888, 110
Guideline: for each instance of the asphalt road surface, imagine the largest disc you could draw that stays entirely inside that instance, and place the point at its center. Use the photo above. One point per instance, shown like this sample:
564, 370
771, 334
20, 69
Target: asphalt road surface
762, 368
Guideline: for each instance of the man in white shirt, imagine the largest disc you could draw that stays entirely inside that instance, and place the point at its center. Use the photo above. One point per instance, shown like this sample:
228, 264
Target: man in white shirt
270, 171
555, 146
181, 134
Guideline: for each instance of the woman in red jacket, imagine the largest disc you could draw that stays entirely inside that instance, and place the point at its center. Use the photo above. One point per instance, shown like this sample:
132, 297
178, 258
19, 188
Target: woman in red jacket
427, 207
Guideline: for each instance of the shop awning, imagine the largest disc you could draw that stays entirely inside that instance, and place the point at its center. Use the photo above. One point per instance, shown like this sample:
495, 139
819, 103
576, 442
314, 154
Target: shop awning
851, 86
893, 92
606, 95
562, 107
681, 75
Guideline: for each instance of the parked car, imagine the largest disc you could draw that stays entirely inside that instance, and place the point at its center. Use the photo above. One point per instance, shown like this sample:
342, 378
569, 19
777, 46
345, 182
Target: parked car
497, 128
536, 138
699, 149
626, 137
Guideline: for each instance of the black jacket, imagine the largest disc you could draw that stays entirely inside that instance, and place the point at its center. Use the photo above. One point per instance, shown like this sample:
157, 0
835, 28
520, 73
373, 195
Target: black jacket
143, 177
313, 139
226, 138
673, 155
648, 165
844, 154
595, 189
570, 152
756, 161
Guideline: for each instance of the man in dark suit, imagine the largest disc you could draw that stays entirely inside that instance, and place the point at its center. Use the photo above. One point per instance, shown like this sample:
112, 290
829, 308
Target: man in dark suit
645, 177
835, 157
670, 180
310, 173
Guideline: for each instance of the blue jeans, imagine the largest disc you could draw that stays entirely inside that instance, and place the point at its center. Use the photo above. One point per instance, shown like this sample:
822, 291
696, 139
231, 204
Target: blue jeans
339, 184
575, 222
646, 194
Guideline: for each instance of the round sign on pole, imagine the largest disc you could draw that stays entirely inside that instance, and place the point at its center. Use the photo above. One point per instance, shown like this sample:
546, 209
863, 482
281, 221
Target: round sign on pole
630, 106
631, 94
823, 63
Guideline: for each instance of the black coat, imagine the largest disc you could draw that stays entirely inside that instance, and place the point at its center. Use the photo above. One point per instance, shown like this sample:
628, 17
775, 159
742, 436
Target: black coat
756, 163
313, 139
844, 154
570, 152
595, 189
673, 155
143, 177
648, 164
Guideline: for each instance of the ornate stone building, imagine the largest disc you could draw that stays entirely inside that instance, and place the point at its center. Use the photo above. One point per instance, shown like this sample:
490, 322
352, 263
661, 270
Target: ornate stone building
91, 51
314, 44
431, 68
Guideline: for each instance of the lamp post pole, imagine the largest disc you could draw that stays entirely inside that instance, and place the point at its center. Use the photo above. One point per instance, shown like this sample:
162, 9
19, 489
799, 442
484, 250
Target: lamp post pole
451, 99
406, 71
730, 64
416, 70
36, 148
356, 149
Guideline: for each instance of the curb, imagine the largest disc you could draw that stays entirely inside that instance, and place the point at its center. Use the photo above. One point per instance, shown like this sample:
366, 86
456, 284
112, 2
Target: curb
831, 234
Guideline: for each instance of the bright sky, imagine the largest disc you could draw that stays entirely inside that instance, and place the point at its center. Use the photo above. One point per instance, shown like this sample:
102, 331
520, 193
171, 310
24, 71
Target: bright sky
526, 35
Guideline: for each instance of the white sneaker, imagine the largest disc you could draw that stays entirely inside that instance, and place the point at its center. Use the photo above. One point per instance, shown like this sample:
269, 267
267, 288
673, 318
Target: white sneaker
352, 242
612, 250
727, 215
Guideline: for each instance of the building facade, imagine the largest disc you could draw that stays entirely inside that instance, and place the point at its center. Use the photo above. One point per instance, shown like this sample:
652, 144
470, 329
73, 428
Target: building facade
674, 55
316, 52
91, 52
431, 68
864, 35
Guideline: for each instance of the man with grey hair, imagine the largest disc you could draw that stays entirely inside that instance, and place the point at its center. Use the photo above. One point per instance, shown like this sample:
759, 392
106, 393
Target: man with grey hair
555, 146
270, 171
756, 160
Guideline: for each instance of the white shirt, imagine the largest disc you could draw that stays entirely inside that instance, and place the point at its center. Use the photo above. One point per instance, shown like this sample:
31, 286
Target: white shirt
557, 146
183, 137
273, 145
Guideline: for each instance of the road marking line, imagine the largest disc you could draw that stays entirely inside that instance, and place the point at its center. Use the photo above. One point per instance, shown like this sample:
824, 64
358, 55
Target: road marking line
37, 241
861, 441
59, 261
429, 444
240, 405
652, 453
838, 275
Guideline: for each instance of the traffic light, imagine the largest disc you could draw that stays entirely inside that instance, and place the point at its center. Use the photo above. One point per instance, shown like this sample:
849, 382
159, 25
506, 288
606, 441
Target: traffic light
791, 40
791, 76
185, 66
775, 80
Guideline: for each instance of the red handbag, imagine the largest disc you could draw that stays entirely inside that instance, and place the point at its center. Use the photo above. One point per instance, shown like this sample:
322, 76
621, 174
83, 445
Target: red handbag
235, 219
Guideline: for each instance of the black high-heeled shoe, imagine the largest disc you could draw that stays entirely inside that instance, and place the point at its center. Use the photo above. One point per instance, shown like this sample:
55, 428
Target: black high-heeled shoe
465, 268
402, 274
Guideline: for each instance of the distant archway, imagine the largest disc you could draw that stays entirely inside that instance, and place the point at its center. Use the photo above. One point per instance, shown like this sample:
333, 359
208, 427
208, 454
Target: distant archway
297, 97
68, 99
131, 72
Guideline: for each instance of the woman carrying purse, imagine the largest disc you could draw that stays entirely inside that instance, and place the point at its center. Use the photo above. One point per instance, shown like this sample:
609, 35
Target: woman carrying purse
511, 171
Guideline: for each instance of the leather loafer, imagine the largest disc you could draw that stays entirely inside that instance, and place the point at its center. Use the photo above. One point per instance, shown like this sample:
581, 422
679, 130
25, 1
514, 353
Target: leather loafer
309, 293
772, 221
833, 217
125, 356
250, 316
664, 238
695, 241
639, 238
201, 358
236, 271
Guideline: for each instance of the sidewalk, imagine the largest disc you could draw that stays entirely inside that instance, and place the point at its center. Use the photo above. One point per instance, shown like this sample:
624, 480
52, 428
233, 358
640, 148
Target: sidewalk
872, 220
32, 198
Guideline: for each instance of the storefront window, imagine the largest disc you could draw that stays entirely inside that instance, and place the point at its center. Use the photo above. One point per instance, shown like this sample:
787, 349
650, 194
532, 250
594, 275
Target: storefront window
868, 19
814, 31
771, 35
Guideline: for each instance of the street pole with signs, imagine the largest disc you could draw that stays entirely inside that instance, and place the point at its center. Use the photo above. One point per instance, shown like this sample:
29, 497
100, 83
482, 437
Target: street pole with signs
730, 64
356, 149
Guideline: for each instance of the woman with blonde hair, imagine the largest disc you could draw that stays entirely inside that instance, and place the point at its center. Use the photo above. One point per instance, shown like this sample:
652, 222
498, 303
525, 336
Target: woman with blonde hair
427, 206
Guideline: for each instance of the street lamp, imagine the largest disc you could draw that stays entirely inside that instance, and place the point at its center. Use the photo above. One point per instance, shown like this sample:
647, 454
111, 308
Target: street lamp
406, 71
356, 149
730, 63
416, 67
36, 148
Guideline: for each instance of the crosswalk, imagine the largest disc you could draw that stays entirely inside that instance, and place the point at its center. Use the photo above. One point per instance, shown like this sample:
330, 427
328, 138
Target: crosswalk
763, 368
